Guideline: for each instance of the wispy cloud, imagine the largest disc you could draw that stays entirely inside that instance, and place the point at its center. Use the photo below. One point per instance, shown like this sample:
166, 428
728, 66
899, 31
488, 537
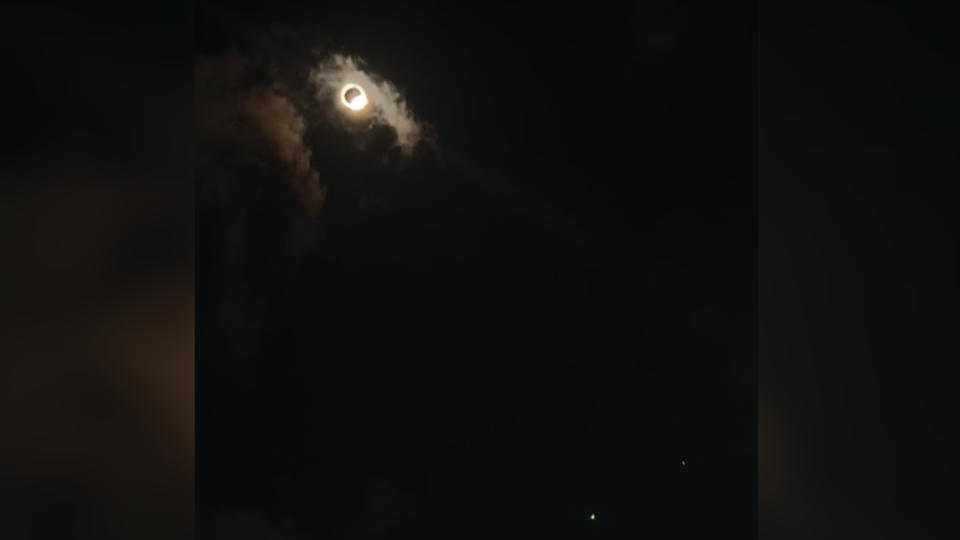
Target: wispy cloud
387, 106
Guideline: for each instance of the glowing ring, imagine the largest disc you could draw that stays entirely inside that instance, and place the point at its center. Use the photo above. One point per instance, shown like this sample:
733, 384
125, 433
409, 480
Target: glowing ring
357, 101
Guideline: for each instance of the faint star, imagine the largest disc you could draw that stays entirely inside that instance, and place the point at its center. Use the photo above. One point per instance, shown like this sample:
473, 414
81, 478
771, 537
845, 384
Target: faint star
593, 517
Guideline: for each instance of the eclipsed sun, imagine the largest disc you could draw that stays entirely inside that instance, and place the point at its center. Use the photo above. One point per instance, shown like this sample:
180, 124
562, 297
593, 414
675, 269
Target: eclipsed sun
353, 97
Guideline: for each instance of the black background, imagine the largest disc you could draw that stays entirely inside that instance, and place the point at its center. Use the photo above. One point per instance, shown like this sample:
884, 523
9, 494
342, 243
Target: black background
858, 272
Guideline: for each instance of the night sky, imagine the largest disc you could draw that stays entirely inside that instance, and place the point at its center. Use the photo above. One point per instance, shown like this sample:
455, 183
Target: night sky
547, 312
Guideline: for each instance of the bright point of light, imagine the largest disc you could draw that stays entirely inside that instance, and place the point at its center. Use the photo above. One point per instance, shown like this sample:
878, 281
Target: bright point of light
353, 97
593, 517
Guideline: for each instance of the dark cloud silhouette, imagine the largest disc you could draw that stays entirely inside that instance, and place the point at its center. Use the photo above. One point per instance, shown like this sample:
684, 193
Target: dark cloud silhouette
245, 119
259, 192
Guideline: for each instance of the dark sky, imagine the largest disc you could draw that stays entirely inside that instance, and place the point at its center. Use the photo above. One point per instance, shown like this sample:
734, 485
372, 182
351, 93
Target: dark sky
540, 317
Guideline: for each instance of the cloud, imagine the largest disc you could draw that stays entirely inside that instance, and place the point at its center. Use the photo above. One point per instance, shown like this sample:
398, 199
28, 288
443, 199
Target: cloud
388, 107
244, 119
259, 196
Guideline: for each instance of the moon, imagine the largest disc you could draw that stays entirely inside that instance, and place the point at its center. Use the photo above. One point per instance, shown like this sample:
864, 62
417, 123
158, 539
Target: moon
353, 97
